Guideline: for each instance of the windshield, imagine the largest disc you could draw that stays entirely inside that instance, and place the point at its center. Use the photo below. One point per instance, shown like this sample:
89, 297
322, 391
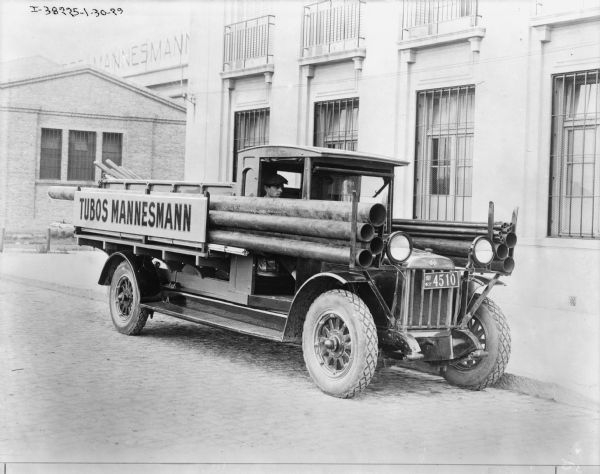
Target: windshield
339, 187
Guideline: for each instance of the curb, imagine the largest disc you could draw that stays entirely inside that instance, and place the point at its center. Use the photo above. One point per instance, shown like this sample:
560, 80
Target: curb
510, 382
521, 384
86, 293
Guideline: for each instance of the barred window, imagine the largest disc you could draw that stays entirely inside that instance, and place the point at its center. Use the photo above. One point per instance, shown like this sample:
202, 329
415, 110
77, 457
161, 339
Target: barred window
112, 146
50, 153
444, 153
251, 128
82, 153
336, 124
575, 156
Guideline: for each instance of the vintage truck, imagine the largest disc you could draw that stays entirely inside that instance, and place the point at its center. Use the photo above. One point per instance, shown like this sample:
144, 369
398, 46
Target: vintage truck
323, 266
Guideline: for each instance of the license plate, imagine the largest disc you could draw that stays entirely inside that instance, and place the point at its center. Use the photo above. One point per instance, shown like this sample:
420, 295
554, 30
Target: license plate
441, 280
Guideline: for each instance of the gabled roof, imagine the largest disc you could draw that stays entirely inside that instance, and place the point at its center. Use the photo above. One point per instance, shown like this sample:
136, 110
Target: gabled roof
69, 72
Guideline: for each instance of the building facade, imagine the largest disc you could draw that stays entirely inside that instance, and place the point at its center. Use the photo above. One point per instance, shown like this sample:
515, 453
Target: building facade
54, 126
159, 64
488, 101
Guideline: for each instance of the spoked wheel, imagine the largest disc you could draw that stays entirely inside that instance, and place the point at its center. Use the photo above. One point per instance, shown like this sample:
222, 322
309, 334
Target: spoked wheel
124, 301
475, 326
339, 343
333, 344
490, 328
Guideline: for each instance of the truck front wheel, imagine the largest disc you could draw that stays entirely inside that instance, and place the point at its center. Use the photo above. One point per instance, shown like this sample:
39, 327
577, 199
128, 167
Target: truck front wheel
339, 342
491, 329
124, 301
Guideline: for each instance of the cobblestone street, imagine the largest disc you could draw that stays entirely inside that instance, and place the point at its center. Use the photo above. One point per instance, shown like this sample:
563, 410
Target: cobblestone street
75, 390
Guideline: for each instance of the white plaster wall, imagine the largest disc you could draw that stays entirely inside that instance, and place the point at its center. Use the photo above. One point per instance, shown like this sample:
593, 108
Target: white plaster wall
512, 77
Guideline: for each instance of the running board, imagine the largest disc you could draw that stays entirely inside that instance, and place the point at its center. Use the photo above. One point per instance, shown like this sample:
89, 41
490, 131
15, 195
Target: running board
201, 317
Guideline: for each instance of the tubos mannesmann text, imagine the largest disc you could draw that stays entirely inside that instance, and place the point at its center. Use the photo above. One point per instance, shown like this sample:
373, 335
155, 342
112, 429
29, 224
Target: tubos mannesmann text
158, 215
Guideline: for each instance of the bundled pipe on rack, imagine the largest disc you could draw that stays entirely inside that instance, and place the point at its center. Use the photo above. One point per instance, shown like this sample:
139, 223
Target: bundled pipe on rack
502, 232
328, 240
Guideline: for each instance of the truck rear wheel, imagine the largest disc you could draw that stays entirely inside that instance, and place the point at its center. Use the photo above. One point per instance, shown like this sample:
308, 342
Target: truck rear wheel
491, 329
339, 343
124, 301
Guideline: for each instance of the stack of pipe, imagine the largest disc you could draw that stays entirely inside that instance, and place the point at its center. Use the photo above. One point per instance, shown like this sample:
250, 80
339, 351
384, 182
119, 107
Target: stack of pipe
454, 239
298, 228
313, 229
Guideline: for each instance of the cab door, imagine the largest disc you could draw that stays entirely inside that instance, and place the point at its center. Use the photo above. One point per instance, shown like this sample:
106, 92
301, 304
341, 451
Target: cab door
247, 177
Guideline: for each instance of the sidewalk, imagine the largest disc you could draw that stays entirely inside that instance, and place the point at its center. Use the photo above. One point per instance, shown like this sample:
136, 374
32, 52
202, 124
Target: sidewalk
554, 355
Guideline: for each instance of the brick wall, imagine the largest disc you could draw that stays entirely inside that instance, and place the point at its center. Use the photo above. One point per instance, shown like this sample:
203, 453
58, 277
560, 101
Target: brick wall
153, 140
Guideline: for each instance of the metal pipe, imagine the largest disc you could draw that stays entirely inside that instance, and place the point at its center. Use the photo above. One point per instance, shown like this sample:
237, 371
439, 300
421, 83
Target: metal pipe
503, 266
66, 193
510, 239
376, 245
506, 266
444, 246
448, 234
290, 225
457, 229
501, 251
107, 171
290, 247
375, 214
472, 225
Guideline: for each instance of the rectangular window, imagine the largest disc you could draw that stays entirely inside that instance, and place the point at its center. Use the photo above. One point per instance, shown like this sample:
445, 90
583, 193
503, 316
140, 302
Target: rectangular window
251, 128
112, 146
82, 153
575, 156
444, 153
50, 153
336, 124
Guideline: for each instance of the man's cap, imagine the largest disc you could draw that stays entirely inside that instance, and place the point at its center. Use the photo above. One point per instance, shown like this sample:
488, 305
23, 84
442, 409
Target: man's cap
274, 180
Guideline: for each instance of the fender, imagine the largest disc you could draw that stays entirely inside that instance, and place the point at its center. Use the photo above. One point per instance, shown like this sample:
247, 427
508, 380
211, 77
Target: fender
477, 285
317, 285
144, 272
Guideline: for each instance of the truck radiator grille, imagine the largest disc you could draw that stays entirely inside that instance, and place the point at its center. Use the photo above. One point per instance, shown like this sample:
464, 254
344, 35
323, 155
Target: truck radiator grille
434, 308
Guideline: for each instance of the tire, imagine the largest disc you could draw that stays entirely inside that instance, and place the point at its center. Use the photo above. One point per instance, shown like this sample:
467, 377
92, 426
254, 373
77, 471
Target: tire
124, 301
346, 365
490, 327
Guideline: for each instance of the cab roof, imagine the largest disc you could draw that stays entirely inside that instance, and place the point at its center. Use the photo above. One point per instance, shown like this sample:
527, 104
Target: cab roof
293, 151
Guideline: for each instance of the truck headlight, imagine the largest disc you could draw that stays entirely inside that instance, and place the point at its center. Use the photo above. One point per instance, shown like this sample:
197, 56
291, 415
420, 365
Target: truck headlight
482, 250
399, 247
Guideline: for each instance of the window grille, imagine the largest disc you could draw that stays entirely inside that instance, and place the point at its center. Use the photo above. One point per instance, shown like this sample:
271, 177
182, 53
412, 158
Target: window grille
112, 147
251, 128
82, 153
336, 124
444, 153
575, 156
50, 153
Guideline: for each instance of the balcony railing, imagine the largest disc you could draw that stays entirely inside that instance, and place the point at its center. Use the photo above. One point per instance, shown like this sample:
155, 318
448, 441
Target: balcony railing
248, 43
332, 26
431, 17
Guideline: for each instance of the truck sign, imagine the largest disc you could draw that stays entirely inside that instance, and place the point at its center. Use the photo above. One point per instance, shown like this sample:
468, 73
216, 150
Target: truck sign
177, 217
